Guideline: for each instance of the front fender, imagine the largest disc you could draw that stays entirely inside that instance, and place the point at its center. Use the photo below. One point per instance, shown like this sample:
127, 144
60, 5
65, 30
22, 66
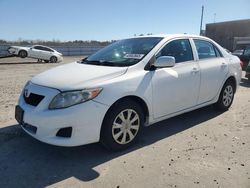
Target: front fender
130, 84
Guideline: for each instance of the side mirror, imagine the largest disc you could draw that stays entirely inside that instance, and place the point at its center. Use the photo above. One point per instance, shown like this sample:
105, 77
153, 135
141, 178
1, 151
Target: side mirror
164, 61
84, 58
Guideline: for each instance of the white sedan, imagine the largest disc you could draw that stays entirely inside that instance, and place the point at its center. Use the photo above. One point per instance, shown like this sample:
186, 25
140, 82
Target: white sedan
38, 52
136, 82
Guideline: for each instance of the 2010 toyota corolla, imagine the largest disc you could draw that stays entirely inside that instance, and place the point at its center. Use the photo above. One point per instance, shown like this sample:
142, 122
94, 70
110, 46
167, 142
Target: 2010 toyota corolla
112, 94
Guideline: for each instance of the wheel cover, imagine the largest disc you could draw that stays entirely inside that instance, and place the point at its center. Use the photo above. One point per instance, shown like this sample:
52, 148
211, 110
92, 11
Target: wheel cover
227, 95
125, 126
23, 54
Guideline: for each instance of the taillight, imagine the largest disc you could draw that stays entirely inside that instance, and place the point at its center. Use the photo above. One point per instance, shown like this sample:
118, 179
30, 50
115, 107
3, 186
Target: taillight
241, 64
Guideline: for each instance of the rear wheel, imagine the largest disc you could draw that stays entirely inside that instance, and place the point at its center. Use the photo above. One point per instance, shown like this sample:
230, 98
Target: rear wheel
226, 96
22, 54
53, 59
122, 125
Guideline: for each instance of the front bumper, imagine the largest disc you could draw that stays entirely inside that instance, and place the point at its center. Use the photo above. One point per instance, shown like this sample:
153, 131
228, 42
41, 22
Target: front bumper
59, 58
85, 119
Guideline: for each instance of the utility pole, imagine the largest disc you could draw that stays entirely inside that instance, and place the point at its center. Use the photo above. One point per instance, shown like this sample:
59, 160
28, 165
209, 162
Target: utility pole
214, 17
202, 10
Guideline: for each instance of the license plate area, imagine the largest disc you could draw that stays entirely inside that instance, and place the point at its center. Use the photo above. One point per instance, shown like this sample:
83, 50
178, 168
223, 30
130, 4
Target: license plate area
19, 112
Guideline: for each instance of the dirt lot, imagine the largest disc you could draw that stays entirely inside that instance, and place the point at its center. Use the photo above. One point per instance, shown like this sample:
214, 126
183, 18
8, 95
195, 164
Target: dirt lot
203, 148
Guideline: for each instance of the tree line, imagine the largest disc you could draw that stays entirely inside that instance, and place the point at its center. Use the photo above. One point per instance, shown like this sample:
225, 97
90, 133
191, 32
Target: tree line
57, 42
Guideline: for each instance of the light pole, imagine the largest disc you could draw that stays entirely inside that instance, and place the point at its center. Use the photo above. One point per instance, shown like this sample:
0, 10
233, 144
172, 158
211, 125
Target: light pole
202, 10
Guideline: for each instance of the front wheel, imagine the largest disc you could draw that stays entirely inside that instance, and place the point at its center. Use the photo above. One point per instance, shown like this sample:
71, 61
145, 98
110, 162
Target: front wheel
226, 96
22, 54
122, 125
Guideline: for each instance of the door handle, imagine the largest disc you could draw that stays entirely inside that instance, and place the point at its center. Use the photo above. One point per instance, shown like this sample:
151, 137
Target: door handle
223, 65
195, 70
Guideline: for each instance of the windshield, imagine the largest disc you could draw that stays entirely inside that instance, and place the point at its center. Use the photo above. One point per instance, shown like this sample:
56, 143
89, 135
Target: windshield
125, 52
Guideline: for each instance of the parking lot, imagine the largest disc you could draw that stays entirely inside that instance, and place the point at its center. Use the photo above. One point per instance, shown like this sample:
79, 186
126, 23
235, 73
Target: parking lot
203, 148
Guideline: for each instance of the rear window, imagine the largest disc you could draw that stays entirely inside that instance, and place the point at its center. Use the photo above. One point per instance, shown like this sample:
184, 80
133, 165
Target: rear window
206, 49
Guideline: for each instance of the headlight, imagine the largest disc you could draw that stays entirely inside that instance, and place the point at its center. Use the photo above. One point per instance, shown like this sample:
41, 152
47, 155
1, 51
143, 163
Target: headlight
70, 98
27, 84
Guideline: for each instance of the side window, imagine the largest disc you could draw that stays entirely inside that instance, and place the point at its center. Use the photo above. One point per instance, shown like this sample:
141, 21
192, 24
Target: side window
42, 48
47, 49
218, 53
206, 49
180, 49
37, 47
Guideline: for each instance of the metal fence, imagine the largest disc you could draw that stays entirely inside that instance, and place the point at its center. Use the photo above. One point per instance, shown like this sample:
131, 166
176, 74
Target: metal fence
65, 50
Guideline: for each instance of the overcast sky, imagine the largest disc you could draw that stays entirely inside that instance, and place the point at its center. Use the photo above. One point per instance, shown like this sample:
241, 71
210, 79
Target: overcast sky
111, 19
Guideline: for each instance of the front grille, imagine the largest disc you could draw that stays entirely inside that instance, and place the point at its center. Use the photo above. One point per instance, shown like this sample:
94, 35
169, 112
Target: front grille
33, 99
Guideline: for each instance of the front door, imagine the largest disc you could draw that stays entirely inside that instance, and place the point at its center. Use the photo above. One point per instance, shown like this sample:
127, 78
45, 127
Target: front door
176, 88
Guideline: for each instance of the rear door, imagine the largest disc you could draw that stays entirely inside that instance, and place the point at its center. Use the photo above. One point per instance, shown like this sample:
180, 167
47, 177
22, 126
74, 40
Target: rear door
36, 52
213, 67
176, 88
47, 53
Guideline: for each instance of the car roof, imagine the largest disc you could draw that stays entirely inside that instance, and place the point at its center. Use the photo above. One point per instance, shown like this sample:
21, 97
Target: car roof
172, 36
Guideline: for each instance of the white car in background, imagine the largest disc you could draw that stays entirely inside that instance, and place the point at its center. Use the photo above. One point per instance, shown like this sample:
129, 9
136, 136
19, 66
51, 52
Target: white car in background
136, 82
38, 52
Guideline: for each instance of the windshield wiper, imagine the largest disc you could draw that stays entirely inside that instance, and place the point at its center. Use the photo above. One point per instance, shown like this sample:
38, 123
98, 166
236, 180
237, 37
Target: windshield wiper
99, 62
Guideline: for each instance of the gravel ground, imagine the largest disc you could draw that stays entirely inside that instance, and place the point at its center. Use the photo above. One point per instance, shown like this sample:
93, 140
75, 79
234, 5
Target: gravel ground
202, 148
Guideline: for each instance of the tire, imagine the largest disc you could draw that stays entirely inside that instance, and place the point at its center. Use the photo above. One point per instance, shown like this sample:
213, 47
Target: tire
53, 59
226, 96
22, 54
118, 134
46, 61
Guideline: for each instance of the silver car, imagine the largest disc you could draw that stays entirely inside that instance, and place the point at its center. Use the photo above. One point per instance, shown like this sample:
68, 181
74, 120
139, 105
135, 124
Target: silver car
38, 52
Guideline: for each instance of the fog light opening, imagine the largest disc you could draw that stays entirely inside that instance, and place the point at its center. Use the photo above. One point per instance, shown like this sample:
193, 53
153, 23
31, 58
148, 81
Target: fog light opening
64, 132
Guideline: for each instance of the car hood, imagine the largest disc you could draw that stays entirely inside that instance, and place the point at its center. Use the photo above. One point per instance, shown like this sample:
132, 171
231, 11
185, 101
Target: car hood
76, 76
19, 47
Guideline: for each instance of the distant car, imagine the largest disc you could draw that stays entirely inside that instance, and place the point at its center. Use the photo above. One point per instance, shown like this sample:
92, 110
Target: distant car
241, 64
248, 72
38, 52
238, 52
112, 94
245, 57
